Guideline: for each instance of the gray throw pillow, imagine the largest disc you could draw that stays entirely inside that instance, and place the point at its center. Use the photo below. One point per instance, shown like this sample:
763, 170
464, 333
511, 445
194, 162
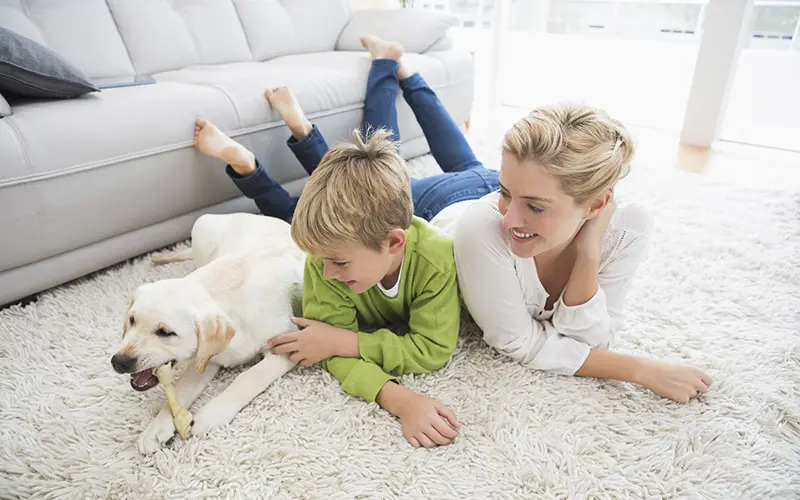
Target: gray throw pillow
29, 69
5, 109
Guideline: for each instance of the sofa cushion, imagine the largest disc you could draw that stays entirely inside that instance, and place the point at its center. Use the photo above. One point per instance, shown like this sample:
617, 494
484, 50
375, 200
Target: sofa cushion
98, 129
323, 82
163, 35
14, 17
281, 27
80, 31
30, 69
84, 33
429, 28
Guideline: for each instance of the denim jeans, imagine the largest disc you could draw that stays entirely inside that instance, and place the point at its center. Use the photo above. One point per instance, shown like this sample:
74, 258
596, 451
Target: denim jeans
464, 177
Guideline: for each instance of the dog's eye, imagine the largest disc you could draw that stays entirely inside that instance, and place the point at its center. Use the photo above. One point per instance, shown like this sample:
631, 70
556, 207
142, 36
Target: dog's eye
163, 332
131, 321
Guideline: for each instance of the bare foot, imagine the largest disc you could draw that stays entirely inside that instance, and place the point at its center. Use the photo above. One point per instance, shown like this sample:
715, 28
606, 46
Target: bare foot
284, 101
381, 49
212, 142
677, 382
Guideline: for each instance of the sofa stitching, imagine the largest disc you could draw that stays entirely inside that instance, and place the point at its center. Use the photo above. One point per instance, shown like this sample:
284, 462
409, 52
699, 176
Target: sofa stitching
230, 101
195, 44
22, 148
121, 38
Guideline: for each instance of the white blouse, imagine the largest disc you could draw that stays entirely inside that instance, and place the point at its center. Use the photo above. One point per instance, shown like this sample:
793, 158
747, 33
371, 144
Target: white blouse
506, 299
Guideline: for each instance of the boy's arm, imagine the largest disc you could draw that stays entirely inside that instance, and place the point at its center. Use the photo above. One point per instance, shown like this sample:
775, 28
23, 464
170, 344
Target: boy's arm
433, 322
323, 302
420, 417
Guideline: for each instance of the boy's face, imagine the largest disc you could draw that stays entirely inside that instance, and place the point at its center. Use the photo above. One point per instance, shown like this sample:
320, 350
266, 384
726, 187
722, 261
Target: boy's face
360, 267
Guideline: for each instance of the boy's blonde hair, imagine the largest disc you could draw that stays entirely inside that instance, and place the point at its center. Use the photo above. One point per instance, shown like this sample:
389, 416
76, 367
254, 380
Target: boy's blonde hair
583, 147
357, 194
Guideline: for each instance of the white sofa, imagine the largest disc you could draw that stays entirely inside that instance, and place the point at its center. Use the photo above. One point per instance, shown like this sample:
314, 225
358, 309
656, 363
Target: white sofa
89, 182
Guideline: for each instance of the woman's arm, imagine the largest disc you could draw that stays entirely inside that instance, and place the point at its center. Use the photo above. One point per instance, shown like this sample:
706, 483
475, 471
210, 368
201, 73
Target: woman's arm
591, 308
493, 294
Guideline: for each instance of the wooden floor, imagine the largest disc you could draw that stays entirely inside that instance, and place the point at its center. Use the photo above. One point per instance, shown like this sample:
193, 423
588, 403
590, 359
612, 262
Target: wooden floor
745, 165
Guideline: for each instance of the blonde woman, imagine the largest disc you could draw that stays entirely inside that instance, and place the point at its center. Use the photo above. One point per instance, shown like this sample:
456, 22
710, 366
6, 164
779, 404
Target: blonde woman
544, 264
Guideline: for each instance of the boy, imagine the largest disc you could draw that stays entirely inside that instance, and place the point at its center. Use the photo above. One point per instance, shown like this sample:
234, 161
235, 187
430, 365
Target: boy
372, 264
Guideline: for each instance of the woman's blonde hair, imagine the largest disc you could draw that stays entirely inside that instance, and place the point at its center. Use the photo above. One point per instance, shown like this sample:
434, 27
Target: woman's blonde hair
357, 194
583, 147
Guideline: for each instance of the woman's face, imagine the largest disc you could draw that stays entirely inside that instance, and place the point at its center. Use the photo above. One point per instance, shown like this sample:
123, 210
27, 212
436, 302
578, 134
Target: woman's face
537, 214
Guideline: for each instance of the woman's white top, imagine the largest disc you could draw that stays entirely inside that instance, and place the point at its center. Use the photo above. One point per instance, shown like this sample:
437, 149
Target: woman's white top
507, 300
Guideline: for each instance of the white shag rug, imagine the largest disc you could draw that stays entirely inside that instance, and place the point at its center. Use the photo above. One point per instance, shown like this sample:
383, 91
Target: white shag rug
721, 289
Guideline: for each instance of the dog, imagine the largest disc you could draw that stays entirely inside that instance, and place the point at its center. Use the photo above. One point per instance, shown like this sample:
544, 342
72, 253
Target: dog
246, 286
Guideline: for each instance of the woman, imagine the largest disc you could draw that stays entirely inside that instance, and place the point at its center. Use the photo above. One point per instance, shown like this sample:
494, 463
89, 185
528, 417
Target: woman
545, 263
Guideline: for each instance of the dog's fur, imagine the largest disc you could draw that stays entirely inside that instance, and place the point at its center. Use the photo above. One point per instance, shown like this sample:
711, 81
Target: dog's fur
247, 285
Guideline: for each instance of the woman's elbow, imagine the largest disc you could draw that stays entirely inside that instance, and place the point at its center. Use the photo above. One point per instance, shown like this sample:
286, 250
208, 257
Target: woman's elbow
506, 346
600, 335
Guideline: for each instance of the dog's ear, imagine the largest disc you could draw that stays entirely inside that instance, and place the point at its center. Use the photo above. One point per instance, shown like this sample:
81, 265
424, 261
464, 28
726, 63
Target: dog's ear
125, 319
213, 334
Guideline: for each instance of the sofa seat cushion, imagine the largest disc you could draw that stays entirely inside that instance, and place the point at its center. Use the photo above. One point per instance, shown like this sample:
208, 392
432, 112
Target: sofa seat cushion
322, 82
101, 128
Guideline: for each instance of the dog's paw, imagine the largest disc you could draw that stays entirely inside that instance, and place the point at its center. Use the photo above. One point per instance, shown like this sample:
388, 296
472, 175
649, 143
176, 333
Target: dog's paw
160, 430
214, 414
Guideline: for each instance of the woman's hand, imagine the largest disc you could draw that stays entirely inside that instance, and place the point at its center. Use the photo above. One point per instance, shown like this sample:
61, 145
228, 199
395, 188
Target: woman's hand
589, 240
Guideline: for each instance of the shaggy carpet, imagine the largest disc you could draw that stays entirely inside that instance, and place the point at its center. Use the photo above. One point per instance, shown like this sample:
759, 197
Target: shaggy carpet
721, 290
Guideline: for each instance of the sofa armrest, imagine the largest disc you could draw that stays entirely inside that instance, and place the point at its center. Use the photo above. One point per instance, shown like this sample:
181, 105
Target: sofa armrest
418, 30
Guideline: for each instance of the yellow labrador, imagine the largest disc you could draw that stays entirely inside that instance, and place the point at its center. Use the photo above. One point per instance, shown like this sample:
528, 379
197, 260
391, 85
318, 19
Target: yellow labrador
247, 285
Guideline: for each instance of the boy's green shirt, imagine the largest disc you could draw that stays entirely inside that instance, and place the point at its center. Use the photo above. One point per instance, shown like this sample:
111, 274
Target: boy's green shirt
426, 306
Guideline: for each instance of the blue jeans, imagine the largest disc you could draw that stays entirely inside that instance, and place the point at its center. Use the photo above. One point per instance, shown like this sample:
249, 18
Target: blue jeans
464, 177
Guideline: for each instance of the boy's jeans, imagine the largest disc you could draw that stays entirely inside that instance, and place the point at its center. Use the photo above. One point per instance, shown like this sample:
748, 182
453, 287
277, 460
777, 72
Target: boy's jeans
465, 178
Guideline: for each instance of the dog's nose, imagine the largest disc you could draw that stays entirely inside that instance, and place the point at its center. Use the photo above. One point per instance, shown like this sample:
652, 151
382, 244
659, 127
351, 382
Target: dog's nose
123, 363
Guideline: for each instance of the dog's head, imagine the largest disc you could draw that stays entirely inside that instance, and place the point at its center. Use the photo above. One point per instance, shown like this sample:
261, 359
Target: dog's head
166, 322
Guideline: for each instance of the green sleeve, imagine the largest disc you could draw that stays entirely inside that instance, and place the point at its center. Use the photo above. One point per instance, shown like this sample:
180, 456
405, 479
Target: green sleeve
433, 331
322, 301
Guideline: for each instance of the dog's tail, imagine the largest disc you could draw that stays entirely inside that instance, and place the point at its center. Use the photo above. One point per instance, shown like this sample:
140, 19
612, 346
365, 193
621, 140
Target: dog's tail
179, 256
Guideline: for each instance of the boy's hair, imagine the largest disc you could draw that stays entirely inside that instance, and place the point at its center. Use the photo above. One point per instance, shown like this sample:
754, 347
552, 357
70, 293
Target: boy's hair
583, 147
357, 194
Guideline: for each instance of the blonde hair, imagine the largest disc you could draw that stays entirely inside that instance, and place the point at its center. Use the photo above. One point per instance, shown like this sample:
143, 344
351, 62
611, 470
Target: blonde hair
357, 194
583, 147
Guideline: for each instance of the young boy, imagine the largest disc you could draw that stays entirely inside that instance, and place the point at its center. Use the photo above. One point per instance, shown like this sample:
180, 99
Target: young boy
373, 265
375, 260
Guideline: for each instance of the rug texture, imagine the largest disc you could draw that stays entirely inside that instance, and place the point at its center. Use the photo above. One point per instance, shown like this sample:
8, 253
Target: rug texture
721, 290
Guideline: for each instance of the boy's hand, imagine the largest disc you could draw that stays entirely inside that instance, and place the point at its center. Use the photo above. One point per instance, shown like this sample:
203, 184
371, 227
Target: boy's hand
315, 342
420, 416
